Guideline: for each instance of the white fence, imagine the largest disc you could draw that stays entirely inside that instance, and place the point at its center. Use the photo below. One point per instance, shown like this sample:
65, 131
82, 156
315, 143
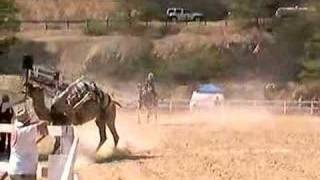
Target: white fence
60, 167
275, 106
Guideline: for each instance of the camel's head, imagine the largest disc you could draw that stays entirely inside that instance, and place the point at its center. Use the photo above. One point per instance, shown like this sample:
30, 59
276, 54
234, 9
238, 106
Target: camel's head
34, 90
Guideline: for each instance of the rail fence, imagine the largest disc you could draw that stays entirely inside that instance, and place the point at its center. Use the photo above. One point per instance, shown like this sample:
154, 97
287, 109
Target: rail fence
107, 23
274, 106
60, 166
111, 22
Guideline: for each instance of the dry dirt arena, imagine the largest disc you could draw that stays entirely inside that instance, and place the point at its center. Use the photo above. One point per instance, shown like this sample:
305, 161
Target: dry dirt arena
225, 145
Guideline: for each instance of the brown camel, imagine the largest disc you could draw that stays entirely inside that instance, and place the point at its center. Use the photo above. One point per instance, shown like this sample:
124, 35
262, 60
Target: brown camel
90, 110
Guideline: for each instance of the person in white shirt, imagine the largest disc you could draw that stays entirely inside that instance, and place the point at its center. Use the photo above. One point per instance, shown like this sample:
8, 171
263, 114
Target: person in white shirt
23, 159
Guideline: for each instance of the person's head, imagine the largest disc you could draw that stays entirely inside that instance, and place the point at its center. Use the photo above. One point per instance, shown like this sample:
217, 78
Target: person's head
22, 116
5, 98
150, 76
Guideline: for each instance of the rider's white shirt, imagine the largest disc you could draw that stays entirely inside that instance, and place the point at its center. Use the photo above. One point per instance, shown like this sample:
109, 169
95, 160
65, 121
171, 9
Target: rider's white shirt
24, 154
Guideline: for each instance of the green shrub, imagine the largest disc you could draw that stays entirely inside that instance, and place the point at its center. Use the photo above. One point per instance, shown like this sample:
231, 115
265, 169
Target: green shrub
8, 16
115, 25
196, 66
95, 28
120, 64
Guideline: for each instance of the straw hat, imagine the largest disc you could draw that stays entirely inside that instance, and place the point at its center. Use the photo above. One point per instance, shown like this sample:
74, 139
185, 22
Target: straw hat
22, 116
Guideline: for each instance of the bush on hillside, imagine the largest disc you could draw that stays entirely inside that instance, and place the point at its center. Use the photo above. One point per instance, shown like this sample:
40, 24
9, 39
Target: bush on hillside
8, 16
195, 66
100, 28
95, 28
150, 11
122, 59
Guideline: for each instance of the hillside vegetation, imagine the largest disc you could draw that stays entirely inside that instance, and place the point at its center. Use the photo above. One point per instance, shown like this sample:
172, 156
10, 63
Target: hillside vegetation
285, 51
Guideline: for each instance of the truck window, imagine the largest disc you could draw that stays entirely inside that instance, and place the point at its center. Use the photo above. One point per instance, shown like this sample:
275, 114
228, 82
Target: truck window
186, 11
178, 11
170, 11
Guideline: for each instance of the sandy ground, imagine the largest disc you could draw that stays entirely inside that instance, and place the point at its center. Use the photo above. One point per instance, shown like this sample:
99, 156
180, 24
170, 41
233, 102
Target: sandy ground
214, 145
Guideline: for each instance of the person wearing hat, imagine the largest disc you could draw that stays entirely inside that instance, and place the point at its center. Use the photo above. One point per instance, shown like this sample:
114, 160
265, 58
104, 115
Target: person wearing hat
23, 159
6, 115
150, 84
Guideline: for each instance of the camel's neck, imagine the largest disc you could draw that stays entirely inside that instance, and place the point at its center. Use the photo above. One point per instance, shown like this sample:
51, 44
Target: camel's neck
40, 107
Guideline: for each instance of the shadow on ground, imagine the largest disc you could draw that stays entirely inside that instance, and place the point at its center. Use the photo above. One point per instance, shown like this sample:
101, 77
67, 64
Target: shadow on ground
123, 155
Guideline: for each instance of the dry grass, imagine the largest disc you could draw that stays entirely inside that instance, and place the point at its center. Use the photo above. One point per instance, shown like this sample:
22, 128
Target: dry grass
62, 9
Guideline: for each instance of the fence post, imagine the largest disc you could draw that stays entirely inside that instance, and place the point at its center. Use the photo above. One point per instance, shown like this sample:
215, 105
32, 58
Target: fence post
285, 107
66, 138
56, 166
107, 23
130, 21
87, 25
170, 105
45, 25
67, 24
312, 107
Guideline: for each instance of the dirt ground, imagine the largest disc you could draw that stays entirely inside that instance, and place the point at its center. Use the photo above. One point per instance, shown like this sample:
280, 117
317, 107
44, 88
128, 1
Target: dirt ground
230, 144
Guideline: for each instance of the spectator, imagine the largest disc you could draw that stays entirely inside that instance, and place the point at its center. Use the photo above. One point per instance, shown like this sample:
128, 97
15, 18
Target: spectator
6, 114
23, 160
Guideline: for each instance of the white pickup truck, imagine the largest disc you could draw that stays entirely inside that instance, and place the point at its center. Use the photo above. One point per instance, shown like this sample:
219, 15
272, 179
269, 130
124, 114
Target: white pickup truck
181, 14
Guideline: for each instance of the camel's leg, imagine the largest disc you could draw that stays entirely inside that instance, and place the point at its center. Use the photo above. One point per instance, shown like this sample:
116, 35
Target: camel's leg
57, 144
139, 115
102, 132
148, 115
111, 124
155, 114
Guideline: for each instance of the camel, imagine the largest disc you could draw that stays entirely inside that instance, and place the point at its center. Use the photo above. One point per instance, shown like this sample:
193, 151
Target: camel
90, 110
148, 101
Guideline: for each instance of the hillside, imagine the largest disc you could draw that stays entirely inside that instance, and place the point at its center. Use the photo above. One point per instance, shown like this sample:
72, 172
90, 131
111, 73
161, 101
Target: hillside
177, 53
81, 9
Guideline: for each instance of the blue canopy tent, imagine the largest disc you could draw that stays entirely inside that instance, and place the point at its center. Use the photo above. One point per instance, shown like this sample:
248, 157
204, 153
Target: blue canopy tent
209, 89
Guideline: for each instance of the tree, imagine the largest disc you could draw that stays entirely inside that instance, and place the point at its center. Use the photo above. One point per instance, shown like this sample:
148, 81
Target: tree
150, 10
310, 66
8, 22
255, 9
143, 9
8, 15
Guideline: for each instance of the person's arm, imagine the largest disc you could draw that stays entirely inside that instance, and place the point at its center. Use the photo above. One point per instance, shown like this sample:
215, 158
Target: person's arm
11, 113
42, 128
39, 127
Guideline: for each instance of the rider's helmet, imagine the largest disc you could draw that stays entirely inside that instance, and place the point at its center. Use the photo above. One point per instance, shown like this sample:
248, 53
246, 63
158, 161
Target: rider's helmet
150, 76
